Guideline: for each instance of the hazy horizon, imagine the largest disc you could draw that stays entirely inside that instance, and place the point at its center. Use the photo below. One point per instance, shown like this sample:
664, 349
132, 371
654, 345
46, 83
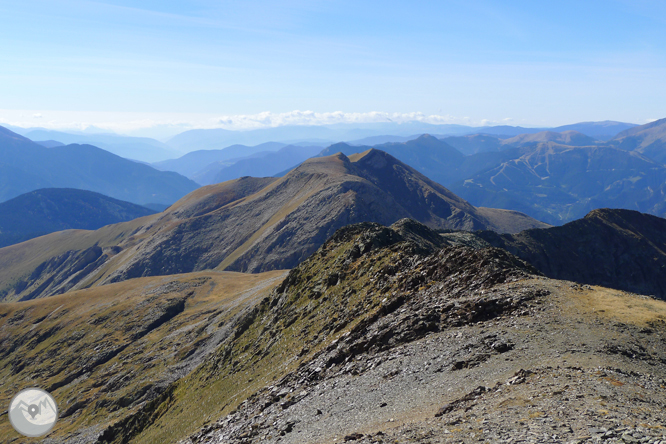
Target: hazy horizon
164, 129
167, 67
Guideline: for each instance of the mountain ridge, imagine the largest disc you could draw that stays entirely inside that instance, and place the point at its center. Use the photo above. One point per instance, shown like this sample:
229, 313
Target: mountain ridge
250, 224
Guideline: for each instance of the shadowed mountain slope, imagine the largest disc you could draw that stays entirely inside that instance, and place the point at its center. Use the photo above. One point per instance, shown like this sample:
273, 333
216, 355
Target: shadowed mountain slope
557, 183
250, 225
614, 248
26, 166
54, 209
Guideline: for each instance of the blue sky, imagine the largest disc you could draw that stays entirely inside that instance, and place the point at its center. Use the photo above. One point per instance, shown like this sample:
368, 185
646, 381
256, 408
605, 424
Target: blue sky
196, 63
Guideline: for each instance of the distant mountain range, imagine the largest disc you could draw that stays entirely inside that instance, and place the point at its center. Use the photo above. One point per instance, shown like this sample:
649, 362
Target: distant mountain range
570, 137
604, 130
26, 166
136, 148
370, 133
553, 177
150, 150
54, 209
481, 143
206, 166
267, 164
558, 183
463, 162
247, 224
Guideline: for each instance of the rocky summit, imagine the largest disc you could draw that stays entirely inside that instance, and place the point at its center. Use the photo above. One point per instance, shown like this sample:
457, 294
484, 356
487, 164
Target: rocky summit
247, 224
383, 334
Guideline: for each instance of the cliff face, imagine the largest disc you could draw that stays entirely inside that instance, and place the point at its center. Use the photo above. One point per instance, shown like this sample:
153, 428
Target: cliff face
613, 248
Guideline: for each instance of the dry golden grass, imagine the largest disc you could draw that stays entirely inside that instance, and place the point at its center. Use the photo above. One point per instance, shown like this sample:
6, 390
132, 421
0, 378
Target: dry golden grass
619, 306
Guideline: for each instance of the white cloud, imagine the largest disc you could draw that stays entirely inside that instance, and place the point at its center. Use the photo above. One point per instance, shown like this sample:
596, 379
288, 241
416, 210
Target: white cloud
163, 125
297, 117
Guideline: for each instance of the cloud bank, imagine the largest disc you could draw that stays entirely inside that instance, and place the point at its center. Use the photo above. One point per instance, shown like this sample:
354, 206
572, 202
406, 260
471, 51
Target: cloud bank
269, 119
167, 124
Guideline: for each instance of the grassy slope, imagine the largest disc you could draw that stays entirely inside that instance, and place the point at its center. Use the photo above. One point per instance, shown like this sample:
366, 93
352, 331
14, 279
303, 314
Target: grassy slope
103, 352
282, 333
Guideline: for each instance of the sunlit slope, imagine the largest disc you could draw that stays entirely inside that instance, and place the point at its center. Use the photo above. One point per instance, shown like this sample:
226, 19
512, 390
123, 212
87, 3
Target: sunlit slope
105, 352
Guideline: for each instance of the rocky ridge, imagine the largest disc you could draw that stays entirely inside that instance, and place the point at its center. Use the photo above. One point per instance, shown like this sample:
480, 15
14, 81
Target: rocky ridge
437, 325
473, 347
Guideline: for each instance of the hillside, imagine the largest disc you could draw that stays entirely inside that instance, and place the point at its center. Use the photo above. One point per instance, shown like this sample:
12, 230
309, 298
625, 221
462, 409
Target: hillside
54, 209
49, 143
246, 225
604, 130
121, 344
385, 334
475, 143
649, 140
480, 143
557, 183
26, 166
571, 138
613, 248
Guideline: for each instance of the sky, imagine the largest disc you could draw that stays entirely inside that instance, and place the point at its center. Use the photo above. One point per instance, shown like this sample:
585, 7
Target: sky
160, 66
